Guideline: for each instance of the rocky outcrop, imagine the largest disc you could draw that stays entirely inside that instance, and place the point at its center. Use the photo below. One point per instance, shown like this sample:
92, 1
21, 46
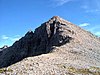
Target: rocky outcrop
0, 52
49, 34
4, 47
1, 49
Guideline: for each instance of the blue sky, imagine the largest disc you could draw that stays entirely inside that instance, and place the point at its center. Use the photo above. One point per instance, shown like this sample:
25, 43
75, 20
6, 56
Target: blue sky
19, 16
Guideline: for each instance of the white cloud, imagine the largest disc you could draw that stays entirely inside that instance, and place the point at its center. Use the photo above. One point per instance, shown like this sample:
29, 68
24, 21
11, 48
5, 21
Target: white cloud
5, 40
90, 10
92, 6
61, 2
93, 11
84, 7
4, 37
84, 24
15, 38
94, 29
97, 33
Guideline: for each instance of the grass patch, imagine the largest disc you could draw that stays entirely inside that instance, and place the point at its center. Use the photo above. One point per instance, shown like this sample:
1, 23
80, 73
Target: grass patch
72, 69
85, 71
95, 68
61, 66
3, 70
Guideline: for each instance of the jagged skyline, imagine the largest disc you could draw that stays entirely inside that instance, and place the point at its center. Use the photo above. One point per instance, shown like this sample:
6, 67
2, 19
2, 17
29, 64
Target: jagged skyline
19, 16
57, 47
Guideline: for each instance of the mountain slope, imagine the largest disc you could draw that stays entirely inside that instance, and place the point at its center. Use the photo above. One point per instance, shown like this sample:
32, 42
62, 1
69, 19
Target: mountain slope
70, 46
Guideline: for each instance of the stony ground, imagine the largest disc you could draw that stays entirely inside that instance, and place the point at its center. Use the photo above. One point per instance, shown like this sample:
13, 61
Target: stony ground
68, 59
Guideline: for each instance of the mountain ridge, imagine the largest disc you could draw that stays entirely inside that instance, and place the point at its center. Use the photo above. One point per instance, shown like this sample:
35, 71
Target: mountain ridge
59, 44
35, 43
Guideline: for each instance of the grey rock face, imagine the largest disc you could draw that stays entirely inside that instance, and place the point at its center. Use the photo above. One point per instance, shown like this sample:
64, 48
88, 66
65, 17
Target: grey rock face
0, 52
50, 33
1, 49
4, 47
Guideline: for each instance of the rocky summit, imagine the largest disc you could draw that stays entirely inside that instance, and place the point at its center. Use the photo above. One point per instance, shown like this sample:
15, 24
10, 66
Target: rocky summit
57, 47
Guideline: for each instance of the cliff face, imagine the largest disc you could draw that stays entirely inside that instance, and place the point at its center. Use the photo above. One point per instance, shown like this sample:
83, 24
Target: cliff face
49, 34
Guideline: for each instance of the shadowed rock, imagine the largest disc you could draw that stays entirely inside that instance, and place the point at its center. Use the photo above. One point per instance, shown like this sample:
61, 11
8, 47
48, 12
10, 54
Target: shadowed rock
49, 34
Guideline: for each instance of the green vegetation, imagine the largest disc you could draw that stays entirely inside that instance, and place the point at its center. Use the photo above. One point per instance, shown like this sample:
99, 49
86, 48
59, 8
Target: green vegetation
86, 71
79, 71
61, 66
95, 68
3, 70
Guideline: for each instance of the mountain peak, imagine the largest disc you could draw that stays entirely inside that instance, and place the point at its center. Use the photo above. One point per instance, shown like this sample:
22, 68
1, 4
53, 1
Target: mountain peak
55, 17
4, 47
49, 34
69, 41
58, 19
30, 31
